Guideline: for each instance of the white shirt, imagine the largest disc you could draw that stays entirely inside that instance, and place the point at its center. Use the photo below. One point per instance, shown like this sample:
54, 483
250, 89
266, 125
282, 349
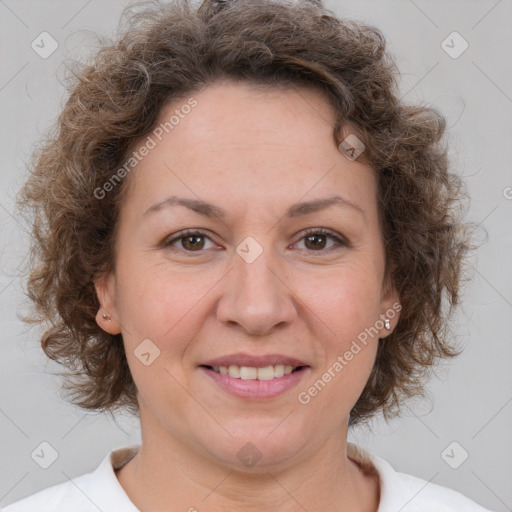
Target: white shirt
101, 490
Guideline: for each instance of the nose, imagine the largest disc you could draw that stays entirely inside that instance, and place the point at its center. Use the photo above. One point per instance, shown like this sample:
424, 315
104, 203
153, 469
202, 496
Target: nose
256, 297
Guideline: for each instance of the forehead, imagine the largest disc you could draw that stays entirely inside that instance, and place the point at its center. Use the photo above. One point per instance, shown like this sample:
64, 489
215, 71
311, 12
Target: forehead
251, 143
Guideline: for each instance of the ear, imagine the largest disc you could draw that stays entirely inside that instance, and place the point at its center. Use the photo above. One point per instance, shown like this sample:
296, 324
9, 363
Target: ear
390, 306
107, 316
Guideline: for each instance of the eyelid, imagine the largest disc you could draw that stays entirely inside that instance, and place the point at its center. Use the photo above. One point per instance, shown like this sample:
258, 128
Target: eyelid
340, 239
184, 234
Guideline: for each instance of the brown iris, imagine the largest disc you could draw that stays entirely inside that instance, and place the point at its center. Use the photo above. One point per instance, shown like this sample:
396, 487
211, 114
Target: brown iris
197, 242
315, 239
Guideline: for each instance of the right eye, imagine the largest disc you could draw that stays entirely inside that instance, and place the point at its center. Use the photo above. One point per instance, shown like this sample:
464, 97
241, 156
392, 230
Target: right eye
191, 241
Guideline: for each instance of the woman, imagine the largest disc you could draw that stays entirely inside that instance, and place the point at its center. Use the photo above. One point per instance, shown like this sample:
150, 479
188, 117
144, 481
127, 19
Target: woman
242, 236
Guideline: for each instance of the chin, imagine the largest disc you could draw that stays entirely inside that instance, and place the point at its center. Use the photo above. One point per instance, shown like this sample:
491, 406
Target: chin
258, 449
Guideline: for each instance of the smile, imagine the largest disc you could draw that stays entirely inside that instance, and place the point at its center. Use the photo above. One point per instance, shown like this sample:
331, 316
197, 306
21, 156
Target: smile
252, 373
256, 383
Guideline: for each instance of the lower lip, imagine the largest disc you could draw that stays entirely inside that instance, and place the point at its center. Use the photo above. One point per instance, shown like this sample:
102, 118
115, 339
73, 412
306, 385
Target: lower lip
257, 388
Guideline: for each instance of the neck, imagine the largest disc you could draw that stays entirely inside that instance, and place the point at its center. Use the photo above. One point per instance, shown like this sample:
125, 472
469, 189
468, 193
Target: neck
166, 474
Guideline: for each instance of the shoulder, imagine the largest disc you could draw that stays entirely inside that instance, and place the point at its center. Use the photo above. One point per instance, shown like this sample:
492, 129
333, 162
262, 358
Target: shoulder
99, 490
422, 496
55, 497
407, 493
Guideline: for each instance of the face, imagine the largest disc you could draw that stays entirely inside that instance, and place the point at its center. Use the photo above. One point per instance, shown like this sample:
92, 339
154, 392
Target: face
248, 244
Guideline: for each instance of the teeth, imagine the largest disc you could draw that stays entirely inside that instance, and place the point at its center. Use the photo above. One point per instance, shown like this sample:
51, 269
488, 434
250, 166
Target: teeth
234, 371
279, 370
251, 373
248, 373
266, 373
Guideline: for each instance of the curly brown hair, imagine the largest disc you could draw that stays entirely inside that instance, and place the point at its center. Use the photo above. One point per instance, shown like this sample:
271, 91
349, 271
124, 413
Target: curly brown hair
167, 51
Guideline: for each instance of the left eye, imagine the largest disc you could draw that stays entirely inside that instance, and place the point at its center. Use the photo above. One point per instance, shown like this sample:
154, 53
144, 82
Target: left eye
315, 240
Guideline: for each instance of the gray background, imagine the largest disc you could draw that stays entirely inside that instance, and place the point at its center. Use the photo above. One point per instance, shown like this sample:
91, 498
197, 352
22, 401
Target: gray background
470, 400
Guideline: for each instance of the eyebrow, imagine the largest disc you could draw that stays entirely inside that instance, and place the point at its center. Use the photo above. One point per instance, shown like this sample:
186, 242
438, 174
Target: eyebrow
296, 210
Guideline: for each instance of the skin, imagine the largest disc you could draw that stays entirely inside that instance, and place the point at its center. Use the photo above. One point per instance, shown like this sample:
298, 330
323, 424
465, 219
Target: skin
254, 152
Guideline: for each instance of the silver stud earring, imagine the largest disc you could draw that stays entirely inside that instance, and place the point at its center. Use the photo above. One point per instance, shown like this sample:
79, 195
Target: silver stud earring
106, 317
387, 325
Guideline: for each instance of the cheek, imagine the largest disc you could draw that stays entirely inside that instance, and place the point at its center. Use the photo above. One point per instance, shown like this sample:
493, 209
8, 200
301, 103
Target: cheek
346, 299
155, 301
159, 311
169, 308
345, 304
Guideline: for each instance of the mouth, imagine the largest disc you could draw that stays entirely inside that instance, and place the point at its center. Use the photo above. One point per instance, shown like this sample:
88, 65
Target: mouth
255, 373
248, 376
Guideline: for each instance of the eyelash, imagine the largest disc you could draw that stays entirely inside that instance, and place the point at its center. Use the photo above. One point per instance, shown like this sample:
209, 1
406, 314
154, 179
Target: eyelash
341, 242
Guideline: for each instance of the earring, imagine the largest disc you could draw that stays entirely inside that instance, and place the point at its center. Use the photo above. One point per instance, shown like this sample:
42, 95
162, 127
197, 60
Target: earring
387, 325
106, 317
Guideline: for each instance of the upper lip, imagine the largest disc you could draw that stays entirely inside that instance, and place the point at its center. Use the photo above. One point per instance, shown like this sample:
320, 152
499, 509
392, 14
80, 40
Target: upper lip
254, 361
